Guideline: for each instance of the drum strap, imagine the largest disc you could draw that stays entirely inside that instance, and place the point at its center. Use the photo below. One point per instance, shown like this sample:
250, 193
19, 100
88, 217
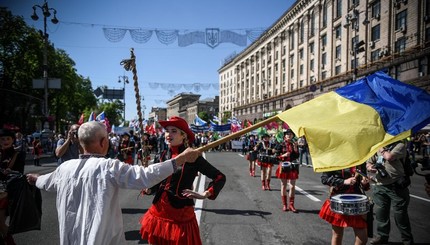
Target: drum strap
12, 161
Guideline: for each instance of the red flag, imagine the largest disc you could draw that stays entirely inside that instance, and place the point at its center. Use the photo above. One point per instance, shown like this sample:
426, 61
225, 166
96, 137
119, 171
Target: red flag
81, 119
249, 124
106, 123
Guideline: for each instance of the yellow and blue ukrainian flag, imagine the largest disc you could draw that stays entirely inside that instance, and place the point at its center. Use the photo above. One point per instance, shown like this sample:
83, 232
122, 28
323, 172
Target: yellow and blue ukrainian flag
347, 126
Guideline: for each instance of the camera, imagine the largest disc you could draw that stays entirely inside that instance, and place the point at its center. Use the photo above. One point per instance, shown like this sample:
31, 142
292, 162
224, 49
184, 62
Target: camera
381, 169
75, 134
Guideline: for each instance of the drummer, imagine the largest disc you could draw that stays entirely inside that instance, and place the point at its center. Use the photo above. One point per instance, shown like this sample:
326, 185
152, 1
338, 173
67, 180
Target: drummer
345, 181
266, 152
290, 173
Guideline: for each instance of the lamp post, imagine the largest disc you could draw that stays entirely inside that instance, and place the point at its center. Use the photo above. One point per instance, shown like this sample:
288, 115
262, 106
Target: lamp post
124, 80
46, 13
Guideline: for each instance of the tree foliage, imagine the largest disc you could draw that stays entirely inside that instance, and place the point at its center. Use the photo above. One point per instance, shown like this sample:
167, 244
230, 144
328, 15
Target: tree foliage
21, 61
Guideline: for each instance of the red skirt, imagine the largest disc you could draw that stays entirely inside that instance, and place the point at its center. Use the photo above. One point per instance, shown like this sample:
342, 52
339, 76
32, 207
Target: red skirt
164, 224
336, 219
264, 164
293, 174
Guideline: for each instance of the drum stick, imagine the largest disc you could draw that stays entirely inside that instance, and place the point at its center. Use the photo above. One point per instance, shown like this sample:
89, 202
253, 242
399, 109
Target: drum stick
237, 134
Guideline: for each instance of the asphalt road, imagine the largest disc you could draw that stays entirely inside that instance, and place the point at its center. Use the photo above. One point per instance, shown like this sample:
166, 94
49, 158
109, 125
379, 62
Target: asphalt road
243, 213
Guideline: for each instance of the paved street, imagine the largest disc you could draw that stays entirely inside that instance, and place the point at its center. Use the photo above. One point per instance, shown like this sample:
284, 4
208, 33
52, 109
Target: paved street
243, 213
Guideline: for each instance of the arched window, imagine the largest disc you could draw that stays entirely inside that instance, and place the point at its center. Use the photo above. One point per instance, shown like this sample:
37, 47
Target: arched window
302, 31
324, 15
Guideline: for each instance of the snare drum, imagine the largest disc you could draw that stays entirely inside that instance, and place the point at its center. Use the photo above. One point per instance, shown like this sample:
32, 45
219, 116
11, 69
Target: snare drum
273, 160
286, 167
350, 204
263, 158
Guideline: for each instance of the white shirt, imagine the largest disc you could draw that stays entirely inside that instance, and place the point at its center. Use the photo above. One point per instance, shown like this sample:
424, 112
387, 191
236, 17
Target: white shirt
87, 196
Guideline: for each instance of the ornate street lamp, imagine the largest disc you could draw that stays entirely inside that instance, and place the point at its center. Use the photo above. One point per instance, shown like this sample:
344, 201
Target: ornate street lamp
124, 80
46, 13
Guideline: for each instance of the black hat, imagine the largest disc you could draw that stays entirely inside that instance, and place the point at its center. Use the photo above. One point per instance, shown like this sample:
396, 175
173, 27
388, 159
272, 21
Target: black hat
7, 132
289, 131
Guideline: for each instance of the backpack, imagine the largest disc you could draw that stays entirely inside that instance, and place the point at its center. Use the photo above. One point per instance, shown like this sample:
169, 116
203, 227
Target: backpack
408, 166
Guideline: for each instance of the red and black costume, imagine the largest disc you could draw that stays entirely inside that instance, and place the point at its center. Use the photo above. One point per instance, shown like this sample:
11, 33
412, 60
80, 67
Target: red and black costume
266, 159
291, 172
171, 218
126, 150
335, 179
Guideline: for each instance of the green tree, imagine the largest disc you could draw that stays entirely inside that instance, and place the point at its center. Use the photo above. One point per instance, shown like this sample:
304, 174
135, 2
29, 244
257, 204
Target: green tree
21, 61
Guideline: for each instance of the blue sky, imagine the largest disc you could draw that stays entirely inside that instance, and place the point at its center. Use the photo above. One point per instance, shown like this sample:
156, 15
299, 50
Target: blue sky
80, 34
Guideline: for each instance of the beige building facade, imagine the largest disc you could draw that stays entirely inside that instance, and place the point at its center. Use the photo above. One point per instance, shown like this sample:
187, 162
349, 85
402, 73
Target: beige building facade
317, 46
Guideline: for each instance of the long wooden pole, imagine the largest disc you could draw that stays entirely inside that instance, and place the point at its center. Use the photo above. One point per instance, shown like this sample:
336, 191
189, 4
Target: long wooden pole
130, 65
237, 134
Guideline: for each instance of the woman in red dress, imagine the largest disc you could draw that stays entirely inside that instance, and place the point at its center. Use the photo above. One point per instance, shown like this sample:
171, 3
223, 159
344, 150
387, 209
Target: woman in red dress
345, 181
171, 218
288, 175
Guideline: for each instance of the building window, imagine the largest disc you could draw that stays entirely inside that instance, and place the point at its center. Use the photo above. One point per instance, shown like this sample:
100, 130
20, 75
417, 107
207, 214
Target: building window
301, 69
376, 33
338, 31
355, 2
292, 87
324, 40
312, 25
311, 48
400, 45
291, 60
323, 75
374, 55
291, 39
302, 31
324, 15
337, 69
283, 64
301, 83
338, 8
376, 9
311, 65
324, 59
292, 73
301, 53
427, 37
401, 19
338, 51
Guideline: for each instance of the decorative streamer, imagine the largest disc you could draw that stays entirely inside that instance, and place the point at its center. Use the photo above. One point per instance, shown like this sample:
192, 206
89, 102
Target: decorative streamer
212, 37
114, 34
140, 35
167, 37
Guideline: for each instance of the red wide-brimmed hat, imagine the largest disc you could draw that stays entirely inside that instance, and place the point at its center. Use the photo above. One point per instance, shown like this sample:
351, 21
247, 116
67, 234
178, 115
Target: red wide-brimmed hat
181, 124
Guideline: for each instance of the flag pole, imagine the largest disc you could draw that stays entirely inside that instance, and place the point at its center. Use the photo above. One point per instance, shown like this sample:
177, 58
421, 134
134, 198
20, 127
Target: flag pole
237, 134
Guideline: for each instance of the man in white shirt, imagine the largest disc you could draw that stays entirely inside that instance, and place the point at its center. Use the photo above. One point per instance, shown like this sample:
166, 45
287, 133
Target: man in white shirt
87, 188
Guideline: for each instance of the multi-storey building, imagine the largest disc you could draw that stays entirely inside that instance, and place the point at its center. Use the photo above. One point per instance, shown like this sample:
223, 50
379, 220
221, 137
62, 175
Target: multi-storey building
319, 45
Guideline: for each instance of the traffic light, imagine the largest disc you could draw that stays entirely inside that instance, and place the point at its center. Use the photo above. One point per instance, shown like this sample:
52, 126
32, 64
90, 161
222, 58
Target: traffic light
359, 47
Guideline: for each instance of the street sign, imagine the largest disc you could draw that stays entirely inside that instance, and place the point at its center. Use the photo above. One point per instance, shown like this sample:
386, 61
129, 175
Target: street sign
53, 83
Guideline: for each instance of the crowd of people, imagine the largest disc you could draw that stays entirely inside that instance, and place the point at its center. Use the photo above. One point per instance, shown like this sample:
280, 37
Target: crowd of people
124, 161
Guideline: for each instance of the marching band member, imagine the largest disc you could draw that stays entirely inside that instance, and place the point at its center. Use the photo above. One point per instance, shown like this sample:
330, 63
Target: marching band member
266, 152
345, 181
171, 218
252, 154
9, 161
289, 172
126, 149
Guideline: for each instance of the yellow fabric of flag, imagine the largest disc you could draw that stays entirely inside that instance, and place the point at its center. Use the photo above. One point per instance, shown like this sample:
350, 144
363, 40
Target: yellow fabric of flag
340, 132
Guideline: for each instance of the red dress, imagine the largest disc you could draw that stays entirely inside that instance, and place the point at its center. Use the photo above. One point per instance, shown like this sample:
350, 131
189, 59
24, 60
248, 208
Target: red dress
171, 219
294, 173
340, 220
